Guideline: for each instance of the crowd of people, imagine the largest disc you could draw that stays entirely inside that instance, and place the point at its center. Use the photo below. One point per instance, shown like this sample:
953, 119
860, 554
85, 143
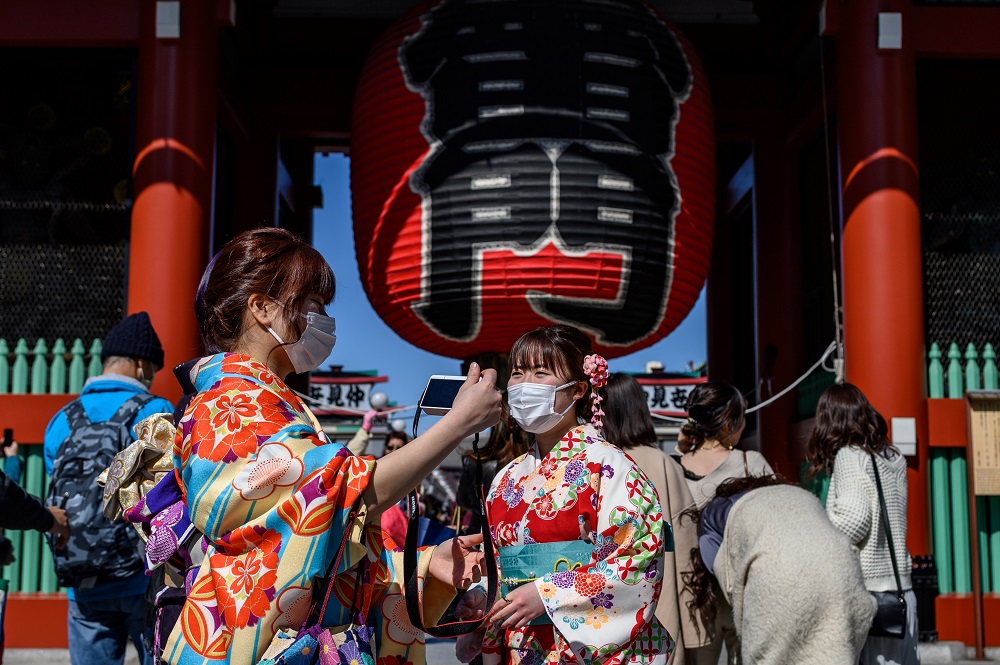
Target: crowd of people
609, 549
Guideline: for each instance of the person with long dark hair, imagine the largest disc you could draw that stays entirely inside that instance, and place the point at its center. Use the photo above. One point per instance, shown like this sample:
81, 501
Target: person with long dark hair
628, 423
707, 452
792, 579
847, 439
273, 496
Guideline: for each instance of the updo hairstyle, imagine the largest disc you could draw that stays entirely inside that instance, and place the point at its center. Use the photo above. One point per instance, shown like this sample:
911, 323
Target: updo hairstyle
711, 407
273, 262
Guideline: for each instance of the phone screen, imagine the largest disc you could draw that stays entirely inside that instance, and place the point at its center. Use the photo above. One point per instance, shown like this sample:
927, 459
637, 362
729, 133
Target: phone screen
440, 393
8, 436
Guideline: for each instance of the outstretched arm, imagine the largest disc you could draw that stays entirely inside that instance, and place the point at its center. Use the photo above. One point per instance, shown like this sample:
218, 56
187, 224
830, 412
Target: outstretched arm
476, 407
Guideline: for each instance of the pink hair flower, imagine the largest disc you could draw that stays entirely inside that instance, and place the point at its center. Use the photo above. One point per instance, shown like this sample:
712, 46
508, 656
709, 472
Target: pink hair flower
596, 367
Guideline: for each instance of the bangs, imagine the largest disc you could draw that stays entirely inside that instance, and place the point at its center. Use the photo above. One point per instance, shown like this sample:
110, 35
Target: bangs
535, 349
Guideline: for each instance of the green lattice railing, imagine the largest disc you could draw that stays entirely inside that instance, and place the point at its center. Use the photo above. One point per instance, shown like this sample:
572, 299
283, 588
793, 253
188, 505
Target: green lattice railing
40, 370
949, 482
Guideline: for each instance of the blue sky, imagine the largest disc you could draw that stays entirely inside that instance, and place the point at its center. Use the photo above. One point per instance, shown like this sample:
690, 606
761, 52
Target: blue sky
364, 342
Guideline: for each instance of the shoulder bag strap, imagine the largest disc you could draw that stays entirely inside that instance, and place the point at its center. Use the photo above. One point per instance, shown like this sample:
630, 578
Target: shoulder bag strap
410, 591
126, 412
76, 415
746, 467
331, 572
885, 519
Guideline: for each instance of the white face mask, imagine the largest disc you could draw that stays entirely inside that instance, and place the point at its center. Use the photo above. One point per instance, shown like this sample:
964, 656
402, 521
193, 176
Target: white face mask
314, 345
533, 405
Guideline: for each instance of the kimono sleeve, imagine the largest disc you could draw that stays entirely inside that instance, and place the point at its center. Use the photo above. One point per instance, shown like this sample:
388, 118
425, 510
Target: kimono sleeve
243, 451
602, 610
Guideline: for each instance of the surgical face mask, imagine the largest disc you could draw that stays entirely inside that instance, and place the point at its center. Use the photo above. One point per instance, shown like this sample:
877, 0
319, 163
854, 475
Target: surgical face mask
314, 344
533, 405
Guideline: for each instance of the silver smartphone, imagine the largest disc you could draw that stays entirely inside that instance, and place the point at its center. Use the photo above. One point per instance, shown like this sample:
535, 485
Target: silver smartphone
439, 394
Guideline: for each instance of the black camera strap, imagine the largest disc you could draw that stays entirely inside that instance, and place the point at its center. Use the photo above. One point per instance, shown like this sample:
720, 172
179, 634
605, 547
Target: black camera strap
410, 589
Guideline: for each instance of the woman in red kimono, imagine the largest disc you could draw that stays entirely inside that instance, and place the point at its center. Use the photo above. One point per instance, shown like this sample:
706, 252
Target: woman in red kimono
578, 526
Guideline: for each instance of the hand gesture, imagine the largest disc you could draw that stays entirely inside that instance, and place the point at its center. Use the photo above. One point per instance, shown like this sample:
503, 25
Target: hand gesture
516, 609
456, 561
478, 400
11, 450
60, 526
368, 420
471, 606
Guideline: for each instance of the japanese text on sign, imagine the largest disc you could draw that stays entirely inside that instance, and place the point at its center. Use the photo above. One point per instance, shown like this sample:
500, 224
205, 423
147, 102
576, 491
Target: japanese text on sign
668, 399
984, 441
340, 395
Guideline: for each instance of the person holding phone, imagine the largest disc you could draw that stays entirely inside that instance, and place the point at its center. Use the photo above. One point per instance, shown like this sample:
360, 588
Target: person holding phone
579, 528
273, 496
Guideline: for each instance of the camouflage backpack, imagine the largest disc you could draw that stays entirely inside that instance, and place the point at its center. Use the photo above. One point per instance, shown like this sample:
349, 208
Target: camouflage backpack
99, 550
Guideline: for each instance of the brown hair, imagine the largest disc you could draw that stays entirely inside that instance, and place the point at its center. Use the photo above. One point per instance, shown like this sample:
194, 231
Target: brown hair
269, 261
393, 434
627, 423
844, 417
559, 347
711, 406
702, 585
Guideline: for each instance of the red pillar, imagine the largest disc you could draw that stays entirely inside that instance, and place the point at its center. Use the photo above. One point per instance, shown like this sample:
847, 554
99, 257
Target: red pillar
882, 253
173, 175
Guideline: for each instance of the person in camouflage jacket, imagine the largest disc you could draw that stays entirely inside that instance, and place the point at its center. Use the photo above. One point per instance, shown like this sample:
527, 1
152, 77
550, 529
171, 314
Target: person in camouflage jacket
103, 618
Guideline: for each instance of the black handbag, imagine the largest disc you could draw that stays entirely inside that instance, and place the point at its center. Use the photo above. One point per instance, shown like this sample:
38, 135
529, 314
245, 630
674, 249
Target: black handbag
890, 617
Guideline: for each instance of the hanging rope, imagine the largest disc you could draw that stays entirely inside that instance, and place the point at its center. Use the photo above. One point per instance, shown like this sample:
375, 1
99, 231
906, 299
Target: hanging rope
826, 354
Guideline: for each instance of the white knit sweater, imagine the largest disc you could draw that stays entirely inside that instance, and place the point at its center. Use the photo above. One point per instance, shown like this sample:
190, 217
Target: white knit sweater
853, 506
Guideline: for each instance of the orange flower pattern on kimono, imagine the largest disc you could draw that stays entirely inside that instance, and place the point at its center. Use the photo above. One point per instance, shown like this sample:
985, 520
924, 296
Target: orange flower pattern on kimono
274, 499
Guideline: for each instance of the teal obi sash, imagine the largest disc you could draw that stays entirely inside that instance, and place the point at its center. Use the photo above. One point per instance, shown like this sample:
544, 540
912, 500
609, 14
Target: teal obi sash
521, 564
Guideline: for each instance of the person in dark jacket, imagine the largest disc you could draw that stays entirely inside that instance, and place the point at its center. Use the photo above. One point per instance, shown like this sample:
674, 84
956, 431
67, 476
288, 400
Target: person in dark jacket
19, 510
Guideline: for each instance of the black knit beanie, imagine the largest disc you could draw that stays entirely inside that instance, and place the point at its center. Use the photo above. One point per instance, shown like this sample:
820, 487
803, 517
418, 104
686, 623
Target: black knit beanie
134, 337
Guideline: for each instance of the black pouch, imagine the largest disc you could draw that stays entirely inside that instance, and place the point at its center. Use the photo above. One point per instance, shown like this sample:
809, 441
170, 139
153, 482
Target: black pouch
890, 617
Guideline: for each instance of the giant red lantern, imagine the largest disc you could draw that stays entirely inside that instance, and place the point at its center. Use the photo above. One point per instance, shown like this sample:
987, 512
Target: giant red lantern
520, 163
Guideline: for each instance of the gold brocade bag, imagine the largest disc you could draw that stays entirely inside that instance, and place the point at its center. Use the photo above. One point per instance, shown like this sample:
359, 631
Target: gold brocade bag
135, 470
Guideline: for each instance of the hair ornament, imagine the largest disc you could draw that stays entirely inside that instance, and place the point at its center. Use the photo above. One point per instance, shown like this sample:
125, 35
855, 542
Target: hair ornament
596, 367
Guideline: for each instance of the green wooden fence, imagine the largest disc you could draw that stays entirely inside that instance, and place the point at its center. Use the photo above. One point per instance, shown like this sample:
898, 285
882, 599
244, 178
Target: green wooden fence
949, 482
40, 371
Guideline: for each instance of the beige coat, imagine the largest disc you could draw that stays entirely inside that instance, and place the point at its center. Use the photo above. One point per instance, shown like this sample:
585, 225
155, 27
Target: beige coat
675, 497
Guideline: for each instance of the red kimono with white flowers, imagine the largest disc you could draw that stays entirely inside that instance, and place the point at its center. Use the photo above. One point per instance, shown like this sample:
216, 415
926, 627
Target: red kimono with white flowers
585, 488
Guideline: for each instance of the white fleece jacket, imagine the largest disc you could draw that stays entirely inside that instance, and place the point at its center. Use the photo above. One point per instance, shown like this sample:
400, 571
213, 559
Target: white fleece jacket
793, 580
853, 506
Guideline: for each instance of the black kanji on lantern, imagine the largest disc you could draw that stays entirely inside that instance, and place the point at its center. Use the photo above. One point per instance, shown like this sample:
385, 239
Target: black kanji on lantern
547, 122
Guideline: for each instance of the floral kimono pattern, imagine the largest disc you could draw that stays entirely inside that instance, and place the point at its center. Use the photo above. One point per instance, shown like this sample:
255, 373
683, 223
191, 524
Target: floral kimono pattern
275, 499
585, 488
